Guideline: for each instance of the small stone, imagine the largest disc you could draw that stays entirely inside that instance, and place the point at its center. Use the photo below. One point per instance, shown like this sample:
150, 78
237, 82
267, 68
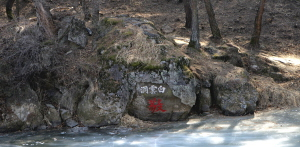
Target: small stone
167, 29
71, 123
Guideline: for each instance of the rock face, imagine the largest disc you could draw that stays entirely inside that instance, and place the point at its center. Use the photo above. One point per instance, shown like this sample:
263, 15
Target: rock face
235, 94
165, 95
98, 108
73, 31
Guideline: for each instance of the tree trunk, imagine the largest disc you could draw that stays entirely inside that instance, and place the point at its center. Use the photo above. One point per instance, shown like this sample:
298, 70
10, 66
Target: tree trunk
9, 5
95, 14
194, 40
18, 8
188, 14
86, 11
212, 20
257, 25
44, 18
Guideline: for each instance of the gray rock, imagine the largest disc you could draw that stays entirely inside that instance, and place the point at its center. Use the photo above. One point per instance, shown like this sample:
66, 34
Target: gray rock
25, 113
65, 114
235, 94
98, 108
71, 123
166, 95
53, 116
205, 100
73, 30
167, 29
78, 129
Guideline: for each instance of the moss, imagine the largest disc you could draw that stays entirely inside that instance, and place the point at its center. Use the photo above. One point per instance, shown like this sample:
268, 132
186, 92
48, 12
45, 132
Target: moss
187, 72
128, 33
137, 65
112, 21
112, 57
152, 67
48, 42
145, 67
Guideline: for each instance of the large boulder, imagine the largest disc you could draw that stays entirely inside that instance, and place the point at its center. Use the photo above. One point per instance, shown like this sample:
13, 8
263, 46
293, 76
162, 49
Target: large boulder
22, 111
166, 95
73, 32
105, 100
234, 92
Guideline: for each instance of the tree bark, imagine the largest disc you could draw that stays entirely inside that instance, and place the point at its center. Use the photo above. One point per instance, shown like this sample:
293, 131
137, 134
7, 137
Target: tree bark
44, 18
9, 12
95, 14
188, 14
18, 8
194, 40
86, 11
257, 25
212, 20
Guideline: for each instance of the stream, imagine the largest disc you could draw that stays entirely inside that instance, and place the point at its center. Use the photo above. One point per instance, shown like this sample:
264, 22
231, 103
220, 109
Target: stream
275, 128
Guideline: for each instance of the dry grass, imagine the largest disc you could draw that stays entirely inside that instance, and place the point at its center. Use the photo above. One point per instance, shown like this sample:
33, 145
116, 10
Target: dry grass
143, 50
26, 52
272, 94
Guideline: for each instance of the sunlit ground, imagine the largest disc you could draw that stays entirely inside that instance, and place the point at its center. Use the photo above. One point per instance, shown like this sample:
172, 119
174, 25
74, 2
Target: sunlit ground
289, 60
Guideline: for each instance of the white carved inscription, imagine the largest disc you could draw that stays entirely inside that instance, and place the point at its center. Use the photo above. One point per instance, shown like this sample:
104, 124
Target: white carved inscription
161, 89
144, 89
152, 89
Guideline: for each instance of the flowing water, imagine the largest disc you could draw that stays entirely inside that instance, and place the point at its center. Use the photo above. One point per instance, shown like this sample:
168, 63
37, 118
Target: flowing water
276, 128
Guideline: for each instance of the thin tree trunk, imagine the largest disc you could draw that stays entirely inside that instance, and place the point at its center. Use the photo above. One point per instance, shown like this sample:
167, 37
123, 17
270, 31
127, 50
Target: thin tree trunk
18, 8
188, 14
194, 40
9, 12
257, 25
212, 20
44, 18
85, 9
95, 14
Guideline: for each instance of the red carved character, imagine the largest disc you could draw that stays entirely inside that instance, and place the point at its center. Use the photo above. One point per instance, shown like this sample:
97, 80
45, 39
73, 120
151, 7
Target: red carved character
155, 105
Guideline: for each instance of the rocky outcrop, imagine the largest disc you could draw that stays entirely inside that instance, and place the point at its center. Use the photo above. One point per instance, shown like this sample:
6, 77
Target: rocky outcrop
136, 75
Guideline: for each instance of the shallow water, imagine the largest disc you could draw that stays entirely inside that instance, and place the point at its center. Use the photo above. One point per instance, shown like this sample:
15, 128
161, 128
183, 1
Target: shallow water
278, 128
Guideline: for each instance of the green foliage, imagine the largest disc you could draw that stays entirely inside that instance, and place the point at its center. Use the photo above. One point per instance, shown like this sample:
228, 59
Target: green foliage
152, 67
112, 21
48, 42
145, 67
187, 72
128, 33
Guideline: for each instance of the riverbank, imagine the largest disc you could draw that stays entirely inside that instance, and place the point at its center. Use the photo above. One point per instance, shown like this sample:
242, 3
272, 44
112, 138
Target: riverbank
277, 128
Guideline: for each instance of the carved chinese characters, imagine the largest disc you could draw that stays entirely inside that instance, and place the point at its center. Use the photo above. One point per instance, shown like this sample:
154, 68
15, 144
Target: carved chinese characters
152, 89
152, 92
